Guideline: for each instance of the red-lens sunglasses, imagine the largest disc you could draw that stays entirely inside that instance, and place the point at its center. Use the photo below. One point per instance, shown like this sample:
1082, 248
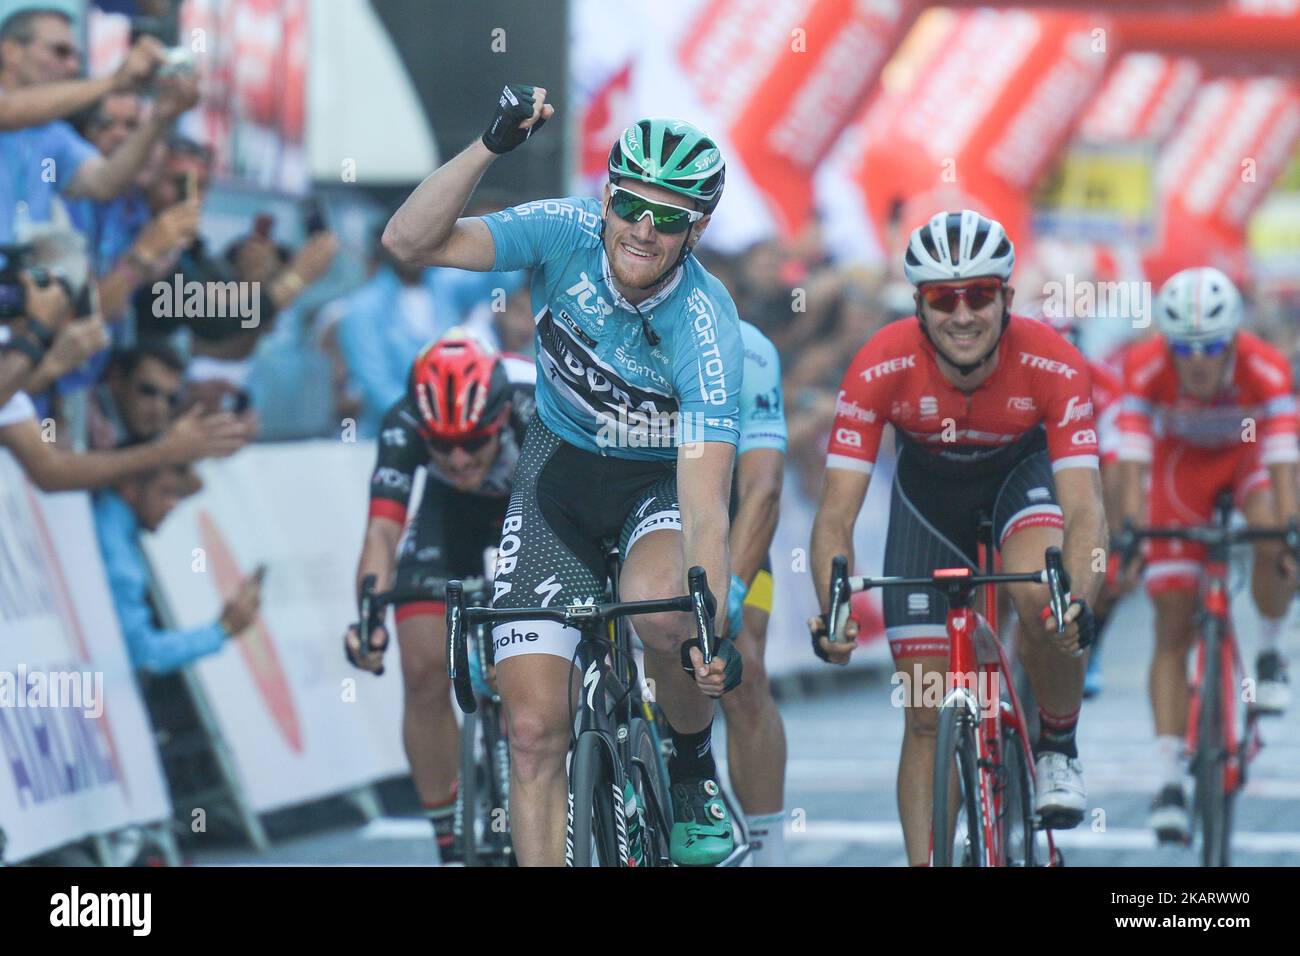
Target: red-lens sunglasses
469, 444
977, 294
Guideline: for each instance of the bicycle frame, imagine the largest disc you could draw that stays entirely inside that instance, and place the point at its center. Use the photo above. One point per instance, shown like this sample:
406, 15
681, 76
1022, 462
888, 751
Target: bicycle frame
975, 655
608, 697
976, 650
1216, 643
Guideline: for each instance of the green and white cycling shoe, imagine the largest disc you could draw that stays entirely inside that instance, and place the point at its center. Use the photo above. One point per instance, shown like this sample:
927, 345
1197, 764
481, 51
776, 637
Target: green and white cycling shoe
703, 834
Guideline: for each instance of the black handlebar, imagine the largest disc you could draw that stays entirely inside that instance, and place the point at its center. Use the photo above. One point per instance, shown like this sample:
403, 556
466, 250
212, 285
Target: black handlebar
959, 583
588, 618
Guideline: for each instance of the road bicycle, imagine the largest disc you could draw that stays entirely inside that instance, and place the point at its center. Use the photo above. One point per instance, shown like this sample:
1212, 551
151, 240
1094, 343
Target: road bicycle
620, 808
1222, 725
482, 815
982, 732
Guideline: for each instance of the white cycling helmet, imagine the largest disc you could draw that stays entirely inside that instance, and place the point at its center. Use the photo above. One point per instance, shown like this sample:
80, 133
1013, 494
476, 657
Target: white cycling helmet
1198, 305
958, 245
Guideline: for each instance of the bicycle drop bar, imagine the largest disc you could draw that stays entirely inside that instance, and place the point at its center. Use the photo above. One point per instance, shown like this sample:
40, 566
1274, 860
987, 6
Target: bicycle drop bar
585, 617
957, 582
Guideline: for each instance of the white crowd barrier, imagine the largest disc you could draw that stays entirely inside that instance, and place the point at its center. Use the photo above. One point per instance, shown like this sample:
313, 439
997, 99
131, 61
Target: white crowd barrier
299, 721
77, 755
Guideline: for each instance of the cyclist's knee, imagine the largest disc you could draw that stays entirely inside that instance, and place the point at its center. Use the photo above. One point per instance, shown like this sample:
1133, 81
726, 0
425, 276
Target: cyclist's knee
1175, 609
538, 744
424, 668
662, 633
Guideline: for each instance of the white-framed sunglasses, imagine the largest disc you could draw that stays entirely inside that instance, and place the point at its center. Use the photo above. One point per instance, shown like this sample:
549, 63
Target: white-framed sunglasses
665, 217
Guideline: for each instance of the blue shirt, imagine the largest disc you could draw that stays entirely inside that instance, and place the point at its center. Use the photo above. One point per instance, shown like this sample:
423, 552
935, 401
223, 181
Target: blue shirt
762, 411
150, 647
601, 385
379, 348
110, 226
38, 161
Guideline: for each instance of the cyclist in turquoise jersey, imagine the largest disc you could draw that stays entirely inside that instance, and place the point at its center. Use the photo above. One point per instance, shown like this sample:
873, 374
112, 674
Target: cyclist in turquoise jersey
639, 361
756, 746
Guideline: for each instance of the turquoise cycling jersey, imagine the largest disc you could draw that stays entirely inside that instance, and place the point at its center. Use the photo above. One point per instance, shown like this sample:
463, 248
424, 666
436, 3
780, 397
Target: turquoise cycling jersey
762, 412
601, 385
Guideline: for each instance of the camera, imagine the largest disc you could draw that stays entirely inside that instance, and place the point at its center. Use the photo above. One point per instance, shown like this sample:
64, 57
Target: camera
13, 296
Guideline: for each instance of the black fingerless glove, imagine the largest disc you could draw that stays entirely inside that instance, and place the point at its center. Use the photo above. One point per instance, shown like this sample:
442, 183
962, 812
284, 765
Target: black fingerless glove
822, 629
513, 107
1087, 622
725, 648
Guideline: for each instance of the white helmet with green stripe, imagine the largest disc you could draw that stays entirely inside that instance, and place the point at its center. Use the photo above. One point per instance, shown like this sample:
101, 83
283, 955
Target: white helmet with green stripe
673, 154
1198, 305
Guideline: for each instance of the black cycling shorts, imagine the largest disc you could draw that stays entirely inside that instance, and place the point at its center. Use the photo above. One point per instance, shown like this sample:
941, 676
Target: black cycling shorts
449, 539
934, 523
565, 503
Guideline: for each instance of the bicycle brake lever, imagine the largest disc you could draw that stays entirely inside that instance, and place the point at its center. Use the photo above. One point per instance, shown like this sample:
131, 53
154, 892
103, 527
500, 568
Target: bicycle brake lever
1058, 586
699, 585
838, 613
365, 610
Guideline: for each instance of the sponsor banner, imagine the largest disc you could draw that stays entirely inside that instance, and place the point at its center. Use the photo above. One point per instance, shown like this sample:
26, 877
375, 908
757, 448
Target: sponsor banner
1102, 193
943, 135
1237, 139
77, 754
1141, 100
784, 78
299, 720
1226, 34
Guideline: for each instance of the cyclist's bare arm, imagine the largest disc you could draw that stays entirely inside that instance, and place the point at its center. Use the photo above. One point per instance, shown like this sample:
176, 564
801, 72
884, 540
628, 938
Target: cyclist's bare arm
703, 488
759, 474
843, 492
1133, 480
1283, 476
1079, 492
428, 229
378, 552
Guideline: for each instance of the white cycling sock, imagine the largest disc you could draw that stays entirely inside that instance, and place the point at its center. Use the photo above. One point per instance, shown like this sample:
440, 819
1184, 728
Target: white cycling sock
768, 832
1169, 748
1270, 633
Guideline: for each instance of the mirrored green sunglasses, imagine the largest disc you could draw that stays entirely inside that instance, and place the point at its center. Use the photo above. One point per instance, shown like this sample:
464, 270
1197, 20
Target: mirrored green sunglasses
666, 217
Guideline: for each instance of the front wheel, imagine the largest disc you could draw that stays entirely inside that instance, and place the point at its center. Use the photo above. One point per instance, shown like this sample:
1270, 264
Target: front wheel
1213, 802
1016, 817
650, 784
593, 833
958, 829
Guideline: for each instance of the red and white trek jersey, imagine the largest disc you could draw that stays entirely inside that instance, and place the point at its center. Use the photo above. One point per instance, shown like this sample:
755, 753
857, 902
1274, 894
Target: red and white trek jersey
1040, 382
1258, 391
1107, 392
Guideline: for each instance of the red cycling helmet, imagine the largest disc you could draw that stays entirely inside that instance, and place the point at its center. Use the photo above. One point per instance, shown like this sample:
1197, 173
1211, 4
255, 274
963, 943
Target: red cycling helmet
461, 390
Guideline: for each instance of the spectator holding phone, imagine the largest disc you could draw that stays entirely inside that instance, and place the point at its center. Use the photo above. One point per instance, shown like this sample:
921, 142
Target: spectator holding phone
39, 59
141, 503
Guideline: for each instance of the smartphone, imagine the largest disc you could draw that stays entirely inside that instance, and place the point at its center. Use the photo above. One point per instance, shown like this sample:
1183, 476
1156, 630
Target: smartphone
263, 225
313, 216
183, 184
259, 573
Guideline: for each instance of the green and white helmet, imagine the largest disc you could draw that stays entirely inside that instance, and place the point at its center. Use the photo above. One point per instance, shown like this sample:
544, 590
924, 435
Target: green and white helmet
673, 154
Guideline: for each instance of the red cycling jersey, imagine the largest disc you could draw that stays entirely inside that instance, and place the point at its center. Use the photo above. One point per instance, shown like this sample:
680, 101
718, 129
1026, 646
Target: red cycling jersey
1040, 381
1258, 392
1107, 390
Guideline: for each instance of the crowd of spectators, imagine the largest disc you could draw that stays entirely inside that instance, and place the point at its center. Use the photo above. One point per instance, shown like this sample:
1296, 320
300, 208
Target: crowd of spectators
110, 381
